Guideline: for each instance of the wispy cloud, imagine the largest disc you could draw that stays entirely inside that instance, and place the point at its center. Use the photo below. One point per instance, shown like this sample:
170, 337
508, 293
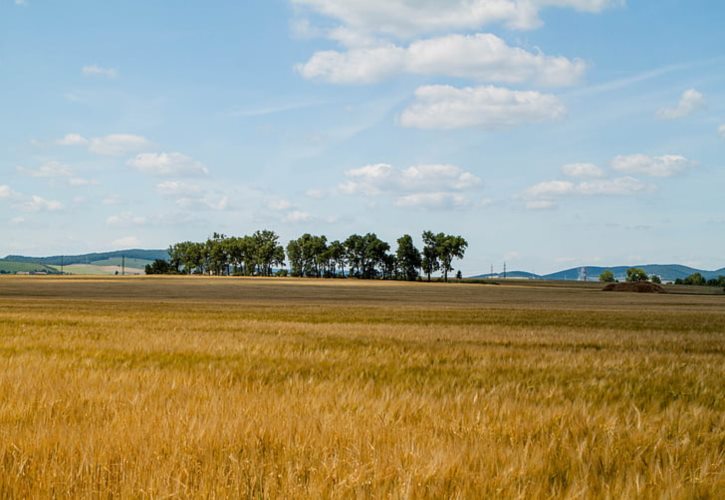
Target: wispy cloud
690, 101
100, 71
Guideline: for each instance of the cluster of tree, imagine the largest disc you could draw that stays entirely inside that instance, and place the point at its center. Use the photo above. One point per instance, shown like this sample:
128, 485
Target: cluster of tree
633, 274
698, 279
359, 256
256, 254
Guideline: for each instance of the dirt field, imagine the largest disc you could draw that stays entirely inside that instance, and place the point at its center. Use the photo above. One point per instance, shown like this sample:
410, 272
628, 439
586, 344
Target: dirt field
284, 388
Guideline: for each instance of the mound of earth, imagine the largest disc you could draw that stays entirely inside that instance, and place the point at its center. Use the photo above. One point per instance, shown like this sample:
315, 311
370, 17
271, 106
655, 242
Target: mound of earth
637, 286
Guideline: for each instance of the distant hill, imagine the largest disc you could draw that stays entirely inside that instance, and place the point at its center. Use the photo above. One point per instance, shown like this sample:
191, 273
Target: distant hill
668, 272
135, 256
12, 267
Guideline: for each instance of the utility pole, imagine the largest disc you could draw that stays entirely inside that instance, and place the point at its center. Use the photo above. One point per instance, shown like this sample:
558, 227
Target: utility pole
62, 262
504, 270
123, 265
491, 275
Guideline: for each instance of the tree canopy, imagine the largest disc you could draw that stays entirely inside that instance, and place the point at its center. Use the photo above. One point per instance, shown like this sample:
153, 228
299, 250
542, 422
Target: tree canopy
314, 256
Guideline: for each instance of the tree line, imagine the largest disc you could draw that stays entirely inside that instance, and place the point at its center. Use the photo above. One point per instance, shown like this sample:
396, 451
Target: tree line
358, 256
637, 274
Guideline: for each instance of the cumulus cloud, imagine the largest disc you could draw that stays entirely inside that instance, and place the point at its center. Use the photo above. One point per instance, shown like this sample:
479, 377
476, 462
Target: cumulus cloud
168, 164
55, 170
297, 216
117, 144
5, 191
447, 107
38, 204
721, 131
372, 180
428, 186
108, 145
126, 242
582, 170
47, 170
482, 57
543, 195
72, 140
96, 70
690, 101
125, 219
654, 166
194, 196
408, 18
433, 200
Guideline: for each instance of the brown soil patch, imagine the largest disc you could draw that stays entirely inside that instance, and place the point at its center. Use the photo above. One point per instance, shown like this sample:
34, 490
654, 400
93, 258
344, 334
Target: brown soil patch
638, 287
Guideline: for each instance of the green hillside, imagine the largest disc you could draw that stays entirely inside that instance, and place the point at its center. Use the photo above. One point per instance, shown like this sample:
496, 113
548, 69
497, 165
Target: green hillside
117, 261
12, 267
89, 258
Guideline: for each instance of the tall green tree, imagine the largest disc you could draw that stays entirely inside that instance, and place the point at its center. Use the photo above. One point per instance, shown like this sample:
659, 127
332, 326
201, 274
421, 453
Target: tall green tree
449, 247
409, 258
636, 274
607, 276
430, 262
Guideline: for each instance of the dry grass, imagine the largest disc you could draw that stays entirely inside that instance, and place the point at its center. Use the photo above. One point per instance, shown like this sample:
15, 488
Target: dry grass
263, 388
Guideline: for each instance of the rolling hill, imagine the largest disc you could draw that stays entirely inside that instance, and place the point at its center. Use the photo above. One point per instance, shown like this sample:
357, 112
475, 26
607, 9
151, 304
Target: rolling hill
668, 272
12, 267
94, 258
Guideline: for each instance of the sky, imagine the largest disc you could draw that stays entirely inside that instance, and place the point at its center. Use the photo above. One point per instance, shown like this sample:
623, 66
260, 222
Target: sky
549, 133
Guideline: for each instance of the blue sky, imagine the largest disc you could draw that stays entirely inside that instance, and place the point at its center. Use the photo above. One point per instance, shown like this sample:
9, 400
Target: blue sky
550, 133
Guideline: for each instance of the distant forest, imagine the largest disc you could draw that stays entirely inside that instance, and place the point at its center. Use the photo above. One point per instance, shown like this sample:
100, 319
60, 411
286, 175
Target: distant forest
359, 256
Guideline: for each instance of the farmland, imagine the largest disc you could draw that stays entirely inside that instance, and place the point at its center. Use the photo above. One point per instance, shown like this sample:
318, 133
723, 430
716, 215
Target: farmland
308, 388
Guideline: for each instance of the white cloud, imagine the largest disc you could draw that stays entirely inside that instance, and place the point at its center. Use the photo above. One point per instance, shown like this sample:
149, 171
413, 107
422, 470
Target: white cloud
117, 144
48, 170
21, 2
316, 194
108, 145
177, 188
540, 204
690, 101
55, 170
5, 191
17, 220
96, 70
425, 186
447, 107
168, 164
654, 166
482, 57
433, 200
543, 196
297, 216
80, 182
125, 219
279, 204
38, 204
72, 140
721, 131
126, 242
582, 170
372, 180
112, 199
408, 18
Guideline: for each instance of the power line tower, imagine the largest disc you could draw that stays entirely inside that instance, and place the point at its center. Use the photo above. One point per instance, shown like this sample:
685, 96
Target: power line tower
583, 274
504, 270
123, 265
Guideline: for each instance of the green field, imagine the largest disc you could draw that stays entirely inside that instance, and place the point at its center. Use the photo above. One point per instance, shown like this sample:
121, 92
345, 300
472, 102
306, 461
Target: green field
11, 267
200, 387
117, 261
97, 270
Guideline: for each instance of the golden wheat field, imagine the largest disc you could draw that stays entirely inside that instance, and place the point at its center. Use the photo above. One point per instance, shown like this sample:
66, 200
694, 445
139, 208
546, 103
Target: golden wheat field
240, 388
